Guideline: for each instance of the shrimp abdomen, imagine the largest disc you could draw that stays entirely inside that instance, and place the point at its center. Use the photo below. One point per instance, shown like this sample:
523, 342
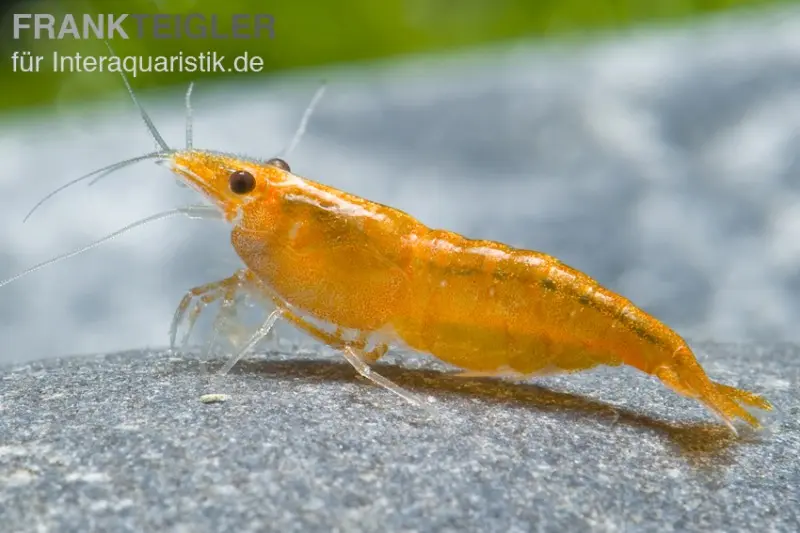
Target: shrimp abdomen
494, 310
487, 307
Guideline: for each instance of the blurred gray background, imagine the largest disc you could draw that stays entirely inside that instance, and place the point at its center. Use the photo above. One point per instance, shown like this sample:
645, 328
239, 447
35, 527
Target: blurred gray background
662, 162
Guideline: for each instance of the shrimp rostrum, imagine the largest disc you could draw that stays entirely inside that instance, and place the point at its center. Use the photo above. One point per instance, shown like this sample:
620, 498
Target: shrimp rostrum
363, 277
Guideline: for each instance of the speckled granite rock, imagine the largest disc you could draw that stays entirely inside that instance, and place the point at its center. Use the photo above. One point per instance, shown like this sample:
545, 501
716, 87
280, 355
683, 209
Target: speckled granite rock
122, 443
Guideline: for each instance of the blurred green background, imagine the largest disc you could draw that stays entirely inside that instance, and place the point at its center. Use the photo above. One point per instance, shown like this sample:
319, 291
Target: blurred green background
318, 32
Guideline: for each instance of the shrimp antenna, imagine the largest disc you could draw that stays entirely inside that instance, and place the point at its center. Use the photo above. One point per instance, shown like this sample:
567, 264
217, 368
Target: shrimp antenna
301, 128
189, 116
192, 211
165, 149
99, 173
147, 120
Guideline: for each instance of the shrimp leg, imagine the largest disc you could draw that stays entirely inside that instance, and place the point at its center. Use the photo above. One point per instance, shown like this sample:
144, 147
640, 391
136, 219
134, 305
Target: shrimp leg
358, 360
204, 295
355, 353
334, 341
259, 334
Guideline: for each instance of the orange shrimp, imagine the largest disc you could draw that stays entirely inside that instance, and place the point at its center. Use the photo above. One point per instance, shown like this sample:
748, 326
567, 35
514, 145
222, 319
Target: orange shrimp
378, 277
363, 277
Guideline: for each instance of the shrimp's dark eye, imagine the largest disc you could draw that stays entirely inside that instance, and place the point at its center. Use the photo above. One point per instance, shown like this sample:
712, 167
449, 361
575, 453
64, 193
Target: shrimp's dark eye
280, 163
242, 182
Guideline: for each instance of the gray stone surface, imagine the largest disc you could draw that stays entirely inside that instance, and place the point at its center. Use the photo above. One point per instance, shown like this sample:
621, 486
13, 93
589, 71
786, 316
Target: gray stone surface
123, 443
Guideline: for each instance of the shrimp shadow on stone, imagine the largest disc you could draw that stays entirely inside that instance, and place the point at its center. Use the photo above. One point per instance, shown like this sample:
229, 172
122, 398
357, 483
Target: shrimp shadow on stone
703, 444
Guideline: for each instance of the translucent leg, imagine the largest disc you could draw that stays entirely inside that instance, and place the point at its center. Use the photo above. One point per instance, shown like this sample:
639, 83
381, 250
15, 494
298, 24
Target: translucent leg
260, 333
226, 324
202, 296
355, 358
334, 341
355, 354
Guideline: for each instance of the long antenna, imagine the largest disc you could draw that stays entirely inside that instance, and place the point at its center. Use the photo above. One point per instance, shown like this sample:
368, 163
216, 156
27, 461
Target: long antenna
100, 172
165, 149
189, 116
301, 128
192, 211
147, 120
